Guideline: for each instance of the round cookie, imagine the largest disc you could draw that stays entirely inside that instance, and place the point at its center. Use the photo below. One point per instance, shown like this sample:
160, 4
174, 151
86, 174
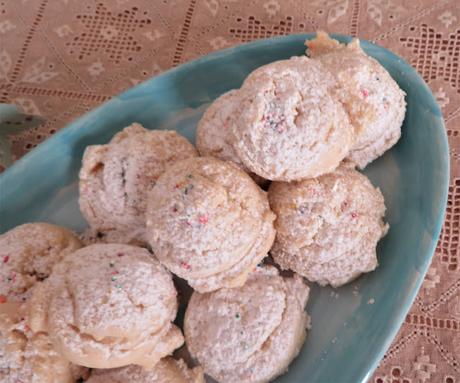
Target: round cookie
328, 228
27, 255
29, 357
115, 178
289, 126
209, 223
250, 333
108, 305
213, 136
167, 370
372, 99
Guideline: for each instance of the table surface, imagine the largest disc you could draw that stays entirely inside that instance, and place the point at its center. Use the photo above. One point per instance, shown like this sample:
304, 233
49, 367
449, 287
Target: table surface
61, 58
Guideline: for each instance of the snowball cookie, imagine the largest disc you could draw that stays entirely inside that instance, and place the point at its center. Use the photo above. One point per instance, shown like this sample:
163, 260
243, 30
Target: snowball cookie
29, 357
167, 370
115, 178
289, 126
28, 253
213, 131
209, 223
108, 305
328, 228
373, 100
250, 333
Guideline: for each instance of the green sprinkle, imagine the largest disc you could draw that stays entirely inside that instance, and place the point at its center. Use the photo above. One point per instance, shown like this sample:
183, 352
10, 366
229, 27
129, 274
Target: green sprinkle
237, 316
189, 176
114, 279
188, 188
118, 286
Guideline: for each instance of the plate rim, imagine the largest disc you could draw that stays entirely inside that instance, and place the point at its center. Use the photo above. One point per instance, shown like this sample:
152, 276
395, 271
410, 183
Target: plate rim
444, 164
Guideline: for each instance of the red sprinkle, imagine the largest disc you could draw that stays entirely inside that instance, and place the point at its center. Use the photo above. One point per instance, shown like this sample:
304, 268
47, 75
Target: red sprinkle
120, 254
114, 273
26, 328
2, 299
203, 219
185, 266
364, 92
354, 215
6, 258
177, 186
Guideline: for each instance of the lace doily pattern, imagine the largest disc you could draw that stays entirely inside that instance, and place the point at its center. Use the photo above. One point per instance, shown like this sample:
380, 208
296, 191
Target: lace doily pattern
56, 65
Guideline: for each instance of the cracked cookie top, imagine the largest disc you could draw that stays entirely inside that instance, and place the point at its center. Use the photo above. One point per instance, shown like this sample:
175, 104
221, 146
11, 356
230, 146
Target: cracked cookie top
105, 305
115, 178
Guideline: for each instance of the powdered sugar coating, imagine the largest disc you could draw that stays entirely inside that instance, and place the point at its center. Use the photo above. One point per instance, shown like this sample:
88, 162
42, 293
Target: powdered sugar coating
29, 357
115, 178
373, 100
289, 126
207, 221
212, 132
167, 370
108, 306
28, 253
213, 136
250, 333
328, 228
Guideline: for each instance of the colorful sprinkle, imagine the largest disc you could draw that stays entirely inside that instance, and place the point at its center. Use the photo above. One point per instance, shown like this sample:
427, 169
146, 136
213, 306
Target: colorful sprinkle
114, 279
364, 92
26, 328
274, 119
237, 316
203, 219
189, 176
118, 286
6, 258
303, 209
386, 104
188, 188
120, 254
112, 264
354, 215
177, 186
11, 277
174, 209
114, 272
3, 299
185, 266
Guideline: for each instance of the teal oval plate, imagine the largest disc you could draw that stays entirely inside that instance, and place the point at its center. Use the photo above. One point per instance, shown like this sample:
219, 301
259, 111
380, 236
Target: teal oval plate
352, 326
